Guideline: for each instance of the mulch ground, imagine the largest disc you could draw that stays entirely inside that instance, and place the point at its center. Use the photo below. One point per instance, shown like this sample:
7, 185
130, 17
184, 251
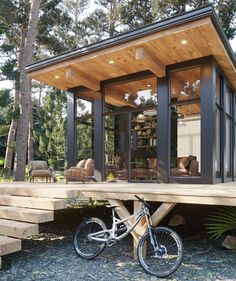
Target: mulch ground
50, 256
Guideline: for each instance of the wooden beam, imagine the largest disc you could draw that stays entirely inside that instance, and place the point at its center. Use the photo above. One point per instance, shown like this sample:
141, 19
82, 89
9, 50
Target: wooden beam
161, 212
145, 57
82, 79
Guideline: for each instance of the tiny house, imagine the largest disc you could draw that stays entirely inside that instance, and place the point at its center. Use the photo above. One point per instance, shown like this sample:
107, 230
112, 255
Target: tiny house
155, 104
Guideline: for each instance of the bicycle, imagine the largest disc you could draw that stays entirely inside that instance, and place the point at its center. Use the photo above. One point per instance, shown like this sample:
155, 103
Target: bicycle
160, 249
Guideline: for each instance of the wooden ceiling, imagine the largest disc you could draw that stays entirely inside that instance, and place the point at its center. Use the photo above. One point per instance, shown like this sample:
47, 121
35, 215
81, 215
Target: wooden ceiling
151, 52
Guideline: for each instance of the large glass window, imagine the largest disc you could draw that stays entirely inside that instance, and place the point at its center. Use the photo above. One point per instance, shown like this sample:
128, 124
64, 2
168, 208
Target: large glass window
85, 148
218, 126
130, 130
228, 133
185, 123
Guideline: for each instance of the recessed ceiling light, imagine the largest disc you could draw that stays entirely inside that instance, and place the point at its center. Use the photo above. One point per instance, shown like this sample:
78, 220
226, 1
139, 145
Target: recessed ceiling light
148, 85
57, 76
111, 61
184, 42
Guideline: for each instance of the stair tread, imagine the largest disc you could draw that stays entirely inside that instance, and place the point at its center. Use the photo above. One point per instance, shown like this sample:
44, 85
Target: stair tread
18, 229
18, 224
33, 202
9, 245
25, 214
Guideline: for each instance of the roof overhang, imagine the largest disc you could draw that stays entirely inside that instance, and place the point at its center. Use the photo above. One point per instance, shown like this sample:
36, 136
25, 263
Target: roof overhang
184, 37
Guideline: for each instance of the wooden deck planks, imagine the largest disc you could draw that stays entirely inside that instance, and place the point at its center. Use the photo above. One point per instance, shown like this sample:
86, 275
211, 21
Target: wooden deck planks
26, 214
18, 229
32, 202
9, 245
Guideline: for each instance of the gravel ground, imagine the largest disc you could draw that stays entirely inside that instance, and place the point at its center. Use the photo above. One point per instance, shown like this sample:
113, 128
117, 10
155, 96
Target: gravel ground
50, 256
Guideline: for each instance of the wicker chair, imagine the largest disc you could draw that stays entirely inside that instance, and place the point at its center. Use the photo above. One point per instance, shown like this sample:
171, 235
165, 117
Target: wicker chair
83, 171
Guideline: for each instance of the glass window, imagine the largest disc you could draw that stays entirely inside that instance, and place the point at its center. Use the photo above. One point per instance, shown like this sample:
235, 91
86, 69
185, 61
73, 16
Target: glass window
185, 85
85, 148
131, 95
131, 111
228, 133
228, 148
217, 130
227, 101
185, 123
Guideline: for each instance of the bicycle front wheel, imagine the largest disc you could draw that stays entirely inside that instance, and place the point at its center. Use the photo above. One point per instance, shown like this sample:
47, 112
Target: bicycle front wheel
163, 260
85, 247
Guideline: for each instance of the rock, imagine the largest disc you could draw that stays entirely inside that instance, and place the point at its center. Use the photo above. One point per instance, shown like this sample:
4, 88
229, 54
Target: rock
177, 220
229, 242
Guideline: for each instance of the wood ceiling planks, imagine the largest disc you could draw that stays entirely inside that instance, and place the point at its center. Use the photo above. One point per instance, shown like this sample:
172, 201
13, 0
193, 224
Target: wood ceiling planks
161, 48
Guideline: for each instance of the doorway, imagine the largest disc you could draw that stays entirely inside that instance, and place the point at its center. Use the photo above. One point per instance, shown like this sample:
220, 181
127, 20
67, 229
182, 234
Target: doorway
130, 131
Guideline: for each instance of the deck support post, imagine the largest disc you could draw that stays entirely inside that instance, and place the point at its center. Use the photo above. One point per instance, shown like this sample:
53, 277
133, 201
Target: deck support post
161, 212
140, 229
123, 213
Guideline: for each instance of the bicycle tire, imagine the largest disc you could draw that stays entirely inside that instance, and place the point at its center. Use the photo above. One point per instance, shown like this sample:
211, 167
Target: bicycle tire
85, 248
161, 264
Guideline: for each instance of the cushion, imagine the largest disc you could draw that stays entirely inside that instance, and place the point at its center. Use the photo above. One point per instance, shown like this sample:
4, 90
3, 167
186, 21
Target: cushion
89, 164
81, 163
38, 165
41, 173
183, 162
193, 168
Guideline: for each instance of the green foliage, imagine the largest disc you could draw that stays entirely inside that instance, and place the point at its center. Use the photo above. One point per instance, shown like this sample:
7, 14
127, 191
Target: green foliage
49, 129
136, 13
1, 161
226, 10
111, 176
222, 221
5, 118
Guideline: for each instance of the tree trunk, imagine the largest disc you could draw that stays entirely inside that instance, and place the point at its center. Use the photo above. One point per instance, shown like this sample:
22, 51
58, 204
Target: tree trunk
30, 136
25, 93
11, 139
13, 127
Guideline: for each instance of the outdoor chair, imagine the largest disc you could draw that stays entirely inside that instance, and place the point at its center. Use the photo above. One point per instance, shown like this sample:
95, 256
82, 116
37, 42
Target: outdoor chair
40, 169
83, 171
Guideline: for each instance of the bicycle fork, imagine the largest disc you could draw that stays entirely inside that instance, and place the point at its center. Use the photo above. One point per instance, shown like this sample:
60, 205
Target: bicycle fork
159, 250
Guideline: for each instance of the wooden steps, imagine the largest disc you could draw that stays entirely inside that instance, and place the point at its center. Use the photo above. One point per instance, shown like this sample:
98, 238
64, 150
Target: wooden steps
22, 208
18, 229
33, 202
26, 214
9, 245
40, 191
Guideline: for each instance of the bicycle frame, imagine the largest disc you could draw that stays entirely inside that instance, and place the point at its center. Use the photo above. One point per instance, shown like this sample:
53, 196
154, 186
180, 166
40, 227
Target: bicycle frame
112, 233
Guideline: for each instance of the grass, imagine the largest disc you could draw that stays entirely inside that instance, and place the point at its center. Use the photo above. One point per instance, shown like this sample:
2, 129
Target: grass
2, 179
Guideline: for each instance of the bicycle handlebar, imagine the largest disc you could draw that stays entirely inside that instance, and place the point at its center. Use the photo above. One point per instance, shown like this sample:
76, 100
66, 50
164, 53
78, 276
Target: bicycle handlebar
143, 201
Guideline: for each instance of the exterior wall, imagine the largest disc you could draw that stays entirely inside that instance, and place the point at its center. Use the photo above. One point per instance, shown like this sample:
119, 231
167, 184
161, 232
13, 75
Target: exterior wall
207, 155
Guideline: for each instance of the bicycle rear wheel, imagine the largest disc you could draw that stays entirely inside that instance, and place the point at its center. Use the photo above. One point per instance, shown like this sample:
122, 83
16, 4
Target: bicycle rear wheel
164, 261
87, 248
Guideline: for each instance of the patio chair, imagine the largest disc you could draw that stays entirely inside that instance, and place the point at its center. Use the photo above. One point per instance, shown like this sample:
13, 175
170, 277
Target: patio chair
83, 171
40, 169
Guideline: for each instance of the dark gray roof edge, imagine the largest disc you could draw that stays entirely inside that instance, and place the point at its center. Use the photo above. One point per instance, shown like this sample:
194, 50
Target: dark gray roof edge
203, 11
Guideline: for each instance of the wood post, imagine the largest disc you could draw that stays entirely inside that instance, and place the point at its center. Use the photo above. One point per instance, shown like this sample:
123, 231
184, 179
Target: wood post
140, 229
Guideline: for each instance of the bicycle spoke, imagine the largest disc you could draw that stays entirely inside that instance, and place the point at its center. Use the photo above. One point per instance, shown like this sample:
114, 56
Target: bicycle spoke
164, 261
85, 247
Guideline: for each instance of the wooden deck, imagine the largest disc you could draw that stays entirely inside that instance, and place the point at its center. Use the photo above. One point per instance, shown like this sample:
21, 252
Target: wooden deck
218, 194
24, 205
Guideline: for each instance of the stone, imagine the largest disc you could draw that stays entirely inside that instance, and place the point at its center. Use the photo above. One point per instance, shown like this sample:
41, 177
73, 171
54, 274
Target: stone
177, 220
229, 242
